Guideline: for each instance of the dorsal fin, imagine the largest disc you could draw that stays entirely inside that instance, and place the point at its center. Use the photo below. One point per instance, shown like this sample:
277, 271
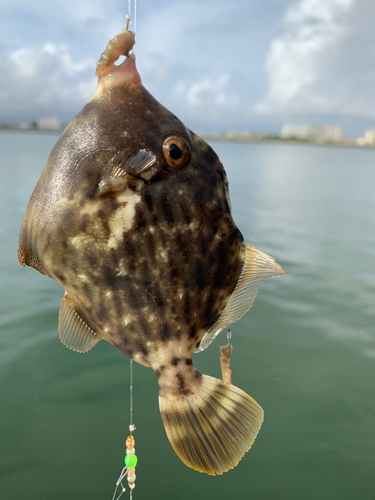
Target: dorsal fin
73, 331
121, 166
257, 267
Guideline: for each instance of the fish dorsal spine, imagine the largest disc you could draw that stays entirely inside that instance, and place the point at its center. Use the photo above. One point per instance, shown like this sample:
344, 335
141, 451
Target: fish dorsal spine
257, 267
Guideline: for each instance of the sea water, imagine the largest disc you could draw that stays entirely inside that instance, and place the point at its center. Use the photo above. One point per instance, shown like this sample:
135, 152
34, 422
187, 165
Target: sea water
305, 351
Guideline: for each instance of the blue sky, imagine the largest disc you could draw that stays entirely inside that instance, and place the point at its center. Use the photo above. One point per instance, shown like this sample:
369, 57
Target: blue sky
234, 65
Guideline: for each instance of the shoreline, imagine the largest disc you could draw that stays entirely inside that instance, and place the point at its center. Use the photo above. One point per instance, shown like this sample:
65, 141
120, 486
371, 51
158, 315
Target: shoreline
349, 143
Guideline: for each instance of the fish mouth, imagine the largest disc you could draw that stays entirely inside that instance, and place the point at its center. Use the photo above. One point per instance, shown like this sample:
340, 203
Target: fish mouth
115, 186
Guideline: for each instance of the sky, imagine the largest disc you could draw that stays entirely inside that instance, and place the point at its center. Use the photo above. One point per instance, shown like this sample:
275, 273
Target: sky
240, 65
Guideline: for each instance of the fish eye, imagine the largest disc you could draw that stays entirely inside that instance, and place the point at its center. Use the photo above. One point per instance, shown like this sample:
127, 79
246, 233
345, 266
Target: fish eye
176, 152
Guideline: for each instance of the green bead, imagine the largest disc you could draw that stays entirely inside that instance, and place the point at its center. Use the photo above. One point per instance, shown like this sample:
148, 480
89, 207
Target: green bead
131, 461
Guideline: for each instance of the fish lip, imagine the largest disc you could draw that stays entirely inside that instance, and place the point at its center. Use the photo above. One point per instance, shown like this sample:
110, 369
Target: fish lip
105, 189
135, 178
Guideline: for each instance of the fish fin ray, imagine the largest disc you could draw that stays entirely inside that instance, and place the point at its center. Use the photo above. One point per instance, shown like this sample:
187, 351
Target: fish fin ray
211, 430
140, 162
121, 166
258, 266
73, 331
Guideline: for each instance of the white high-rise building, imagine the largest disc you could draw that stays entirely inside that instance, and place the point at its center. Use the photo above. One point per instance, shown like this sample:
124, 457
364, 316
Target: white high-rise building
332, 133
368, 139
51, 123
290, 131
316, 133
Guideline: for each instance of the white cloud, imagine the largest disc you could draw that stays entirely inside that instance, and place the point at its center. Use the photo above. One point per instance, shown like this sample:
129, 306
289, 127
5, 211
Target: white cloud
43, 81
320, 62
192, 41
206, 92
323, 61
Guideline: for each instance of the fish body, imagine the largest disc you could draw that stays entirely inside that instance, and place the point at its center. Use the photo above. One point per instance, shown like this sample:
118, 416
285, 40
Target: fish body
132, 217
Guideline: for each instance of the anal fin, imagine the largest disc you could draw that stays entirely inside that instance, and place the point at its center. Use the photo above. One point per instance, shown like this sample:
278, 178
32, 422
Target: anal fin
73, 331
257, 267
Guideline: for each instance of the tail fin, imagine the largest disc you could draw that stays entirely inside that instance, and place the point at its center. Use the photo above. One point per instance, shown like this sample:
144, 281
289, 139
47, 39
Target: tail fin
212, 429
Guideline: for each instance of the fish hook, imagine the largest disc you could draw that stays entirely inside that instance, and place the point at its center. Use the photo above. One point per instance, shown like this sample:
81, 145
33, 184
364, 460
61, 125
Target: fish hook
127, 22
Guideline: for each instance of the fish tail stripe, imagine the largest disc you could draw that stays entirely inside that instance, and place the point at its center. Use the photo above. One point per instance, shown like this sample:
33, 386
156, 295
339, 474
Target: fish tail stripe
73, 331
226, 436
236, 410
257, 267
212, 429
212, 445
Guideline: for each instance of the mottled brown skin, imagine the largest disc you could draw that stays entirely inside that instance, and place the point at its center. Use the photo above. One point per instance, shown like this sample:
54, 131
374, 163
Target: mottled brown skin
150, 268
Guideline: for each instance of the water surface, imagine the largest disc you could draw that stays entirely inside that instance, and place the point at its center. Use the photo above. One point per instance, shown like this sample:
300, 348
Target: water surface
305, 351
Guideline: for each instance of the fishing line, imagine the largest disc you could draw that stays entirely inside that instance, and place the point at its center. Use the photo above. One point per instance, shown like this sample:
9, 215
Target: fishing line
129, 17
135, 17
131, 426
128, 472
131, 459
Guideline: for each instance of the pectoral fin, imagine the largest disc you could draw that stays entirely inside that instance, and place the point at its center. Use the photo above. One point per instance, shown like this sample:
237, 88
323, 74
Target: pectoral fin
257, 267
139, 162
73, 331
118, 170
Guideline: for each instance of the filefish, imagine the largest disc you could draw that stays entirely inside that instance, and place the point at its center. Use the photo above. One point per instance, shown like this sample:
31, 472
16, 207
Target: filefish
132, 216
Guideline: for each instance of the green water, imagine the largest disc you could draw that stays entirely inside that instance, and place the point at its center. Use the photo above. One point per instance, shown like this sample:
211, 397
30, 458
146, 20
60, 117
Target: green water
305, 352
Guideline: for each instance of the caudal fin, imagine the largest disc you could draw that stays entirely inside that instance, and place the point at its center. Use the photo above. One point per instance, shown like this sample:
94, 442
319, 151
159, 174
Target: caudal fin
212, 429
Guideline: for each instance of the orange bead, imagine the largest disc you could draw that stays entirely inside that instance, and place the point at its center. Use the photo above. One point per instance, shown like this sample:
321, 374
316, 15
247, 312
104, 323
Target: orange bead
130, 442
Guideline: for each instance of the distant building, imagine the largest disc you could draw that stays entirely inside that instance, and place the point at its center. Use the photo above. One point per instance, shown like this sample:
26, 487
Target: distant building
52, 123
24, 125
332, 133
289, 131
316, 133
368, 139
